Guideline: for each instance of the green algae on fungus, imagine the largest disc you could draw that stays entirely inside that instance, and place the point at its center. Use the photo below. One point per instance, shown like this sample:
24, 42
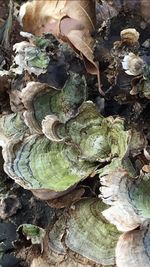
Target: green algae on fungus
85, 231
139, 195
40, 100
12, 127
98, 138
32, 232
127, 194
38, 163
86, 138
86, 131
31, 56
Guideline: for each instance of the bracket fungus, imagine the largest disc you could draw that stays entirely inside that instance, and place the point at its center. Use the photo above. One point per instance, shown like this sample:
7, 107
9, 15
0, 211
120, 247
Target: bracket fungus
130, 35
12, 128
85, 231
40, 100
41, 164
127, 195
133, 248
30, 57
22, 139
84, 154
94, 135
80, 138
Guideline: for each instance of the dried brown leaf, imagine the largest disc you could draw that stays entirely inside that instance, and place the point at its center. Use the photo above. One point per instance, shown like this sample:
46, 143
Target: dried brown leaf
70, 21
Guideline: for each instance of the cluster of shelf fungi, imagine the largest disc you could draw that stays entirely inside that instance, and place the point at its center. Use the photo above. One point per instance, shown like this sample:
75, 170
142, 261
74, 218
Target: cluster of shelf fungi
56, 137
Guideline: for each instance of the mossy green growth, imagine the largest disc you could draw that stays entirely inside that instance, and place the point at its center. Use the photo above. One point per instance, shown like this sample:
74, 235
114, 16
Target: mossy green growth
41, 42
140, 196
99, 138
86, 130
32, 232
118, 164
50, 165
12, 126
90, 234
37, 58
64, 103
118, 138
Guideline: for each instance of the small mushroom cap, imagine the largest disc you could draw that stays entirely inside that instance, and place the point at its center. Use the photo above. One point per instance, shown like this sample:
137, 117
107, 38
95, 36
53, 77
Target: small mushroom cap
130, 35
133, 64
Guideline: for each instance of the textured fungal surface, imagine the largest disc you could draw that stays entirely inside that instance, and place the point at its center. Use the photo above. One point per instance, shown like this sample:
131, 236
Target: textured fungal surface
55, 166
95, 243
71, 149
127, 195
40, 100
95, 135
133, 248
74, 133
31, 57
12, 127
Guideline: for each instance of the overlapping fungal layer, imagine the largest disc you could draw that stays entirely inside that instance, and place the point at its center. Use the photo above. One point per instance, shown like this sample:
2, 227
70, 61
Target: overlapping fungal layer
85, 231
12, 128
40, 100
31, 56
57, 139
133, 248
128, 197
94, 135
30, 158
41, 163
72, 240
